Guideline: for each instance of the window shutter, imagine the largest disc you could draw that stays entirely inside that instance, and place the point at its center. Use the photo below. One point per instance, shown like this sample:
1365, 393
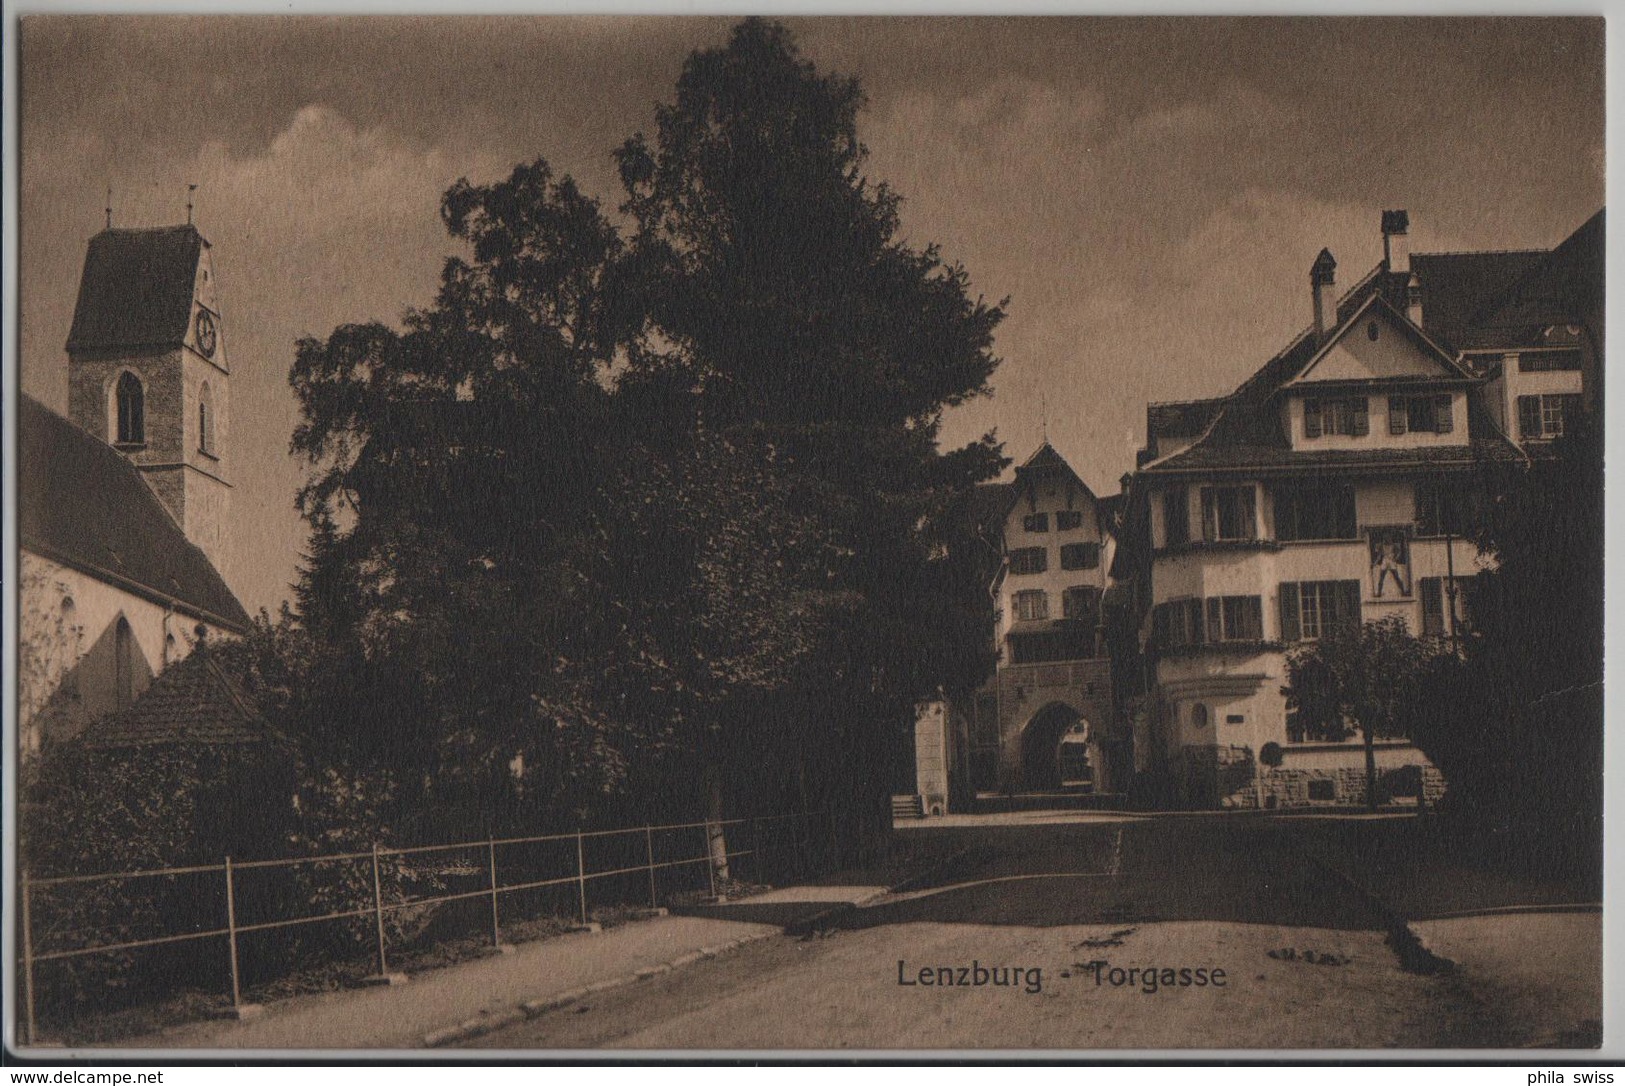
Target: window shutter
1290, 630
1432, 607
1249, 513
1215, 619
1210, 514
1348, 609
1252, 610
1446, 418
1396, 414
1361, 417
1311, 418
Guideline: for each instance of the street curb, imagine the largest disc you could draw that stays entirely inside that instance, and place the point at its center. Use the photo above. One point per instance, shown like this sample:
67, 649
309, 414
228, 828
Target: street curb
1414, 955
533, 1008
807, 925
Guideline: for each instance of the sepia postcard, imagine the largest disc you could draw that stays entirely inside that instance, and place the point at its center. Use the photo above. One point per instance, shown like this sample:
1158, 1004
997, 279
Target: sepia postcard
966, 536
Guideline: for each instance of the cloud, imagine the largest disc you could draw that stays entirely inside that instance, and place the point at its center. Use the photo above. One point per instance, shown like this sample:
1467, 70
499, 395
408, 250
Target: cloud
327, 224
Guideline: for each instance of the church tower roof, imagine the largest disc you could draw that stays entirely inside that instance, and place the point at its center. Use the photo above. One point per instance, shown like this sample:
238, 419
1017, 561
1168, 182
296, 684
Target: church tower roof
137, 289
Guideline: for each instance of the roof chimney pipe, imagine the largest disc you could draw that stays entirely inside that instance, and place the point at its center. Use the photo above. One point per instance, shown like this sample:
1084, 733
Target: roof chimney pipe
1396, 243
1321, 276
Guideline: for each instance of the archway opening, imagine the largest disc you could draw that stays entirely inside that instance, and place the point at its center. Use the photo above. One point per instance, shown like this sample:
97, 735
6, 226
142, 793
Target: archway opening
1055, 751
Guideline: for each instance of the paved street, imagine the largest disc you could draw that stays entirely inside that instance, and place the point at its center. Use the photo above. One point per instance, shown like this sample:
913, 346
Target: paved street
1292, 957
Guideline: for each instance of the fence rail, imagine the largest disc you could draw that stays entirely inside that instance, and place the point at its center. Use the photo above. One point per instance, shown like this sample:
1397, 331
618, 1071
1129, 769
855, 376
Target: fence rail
800, 838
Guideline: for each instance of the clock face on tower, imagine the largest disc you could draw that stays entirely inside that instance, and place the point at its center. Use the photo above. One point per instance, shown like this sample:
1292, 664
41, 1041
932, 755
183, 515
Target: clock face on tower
206, 336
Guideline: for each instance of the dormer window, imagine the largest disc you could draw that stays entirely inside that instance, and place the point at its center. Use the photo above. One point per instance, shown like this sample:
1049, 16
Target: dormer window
1430, 414
1349, 416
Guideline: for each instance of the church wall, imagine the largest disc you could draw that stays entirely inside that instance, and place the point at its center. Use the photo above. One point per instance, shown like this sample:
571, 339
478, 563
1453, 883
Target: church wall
67, 671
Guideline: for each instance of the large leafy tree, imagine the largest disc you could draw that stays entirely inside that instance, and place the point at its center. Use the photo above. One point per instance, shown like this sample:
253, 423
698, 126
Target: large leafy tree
771, 278
1523, 702
453, 467
656, 511
1367, 678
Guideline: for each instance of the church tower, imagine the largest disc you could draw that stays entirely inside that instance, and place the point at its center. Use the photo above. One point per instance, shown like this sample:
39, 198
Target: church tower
147, 370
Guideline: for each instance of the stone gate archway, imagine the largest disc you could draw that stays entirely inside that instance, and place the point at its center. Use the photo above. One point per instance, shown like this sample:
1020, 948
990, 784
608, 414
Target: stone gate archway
1056, 751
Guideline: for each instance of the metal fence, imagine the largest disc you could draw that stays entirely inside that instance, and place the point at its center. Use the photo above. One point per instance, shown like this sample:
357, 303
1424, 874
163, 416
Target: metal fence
655, 857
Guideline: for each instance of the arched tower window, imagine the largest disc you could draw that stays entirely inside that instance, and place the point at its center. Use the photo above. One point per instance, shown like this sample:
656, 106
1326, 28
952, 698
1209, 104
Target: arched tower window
123, 664
132, 410
205, 421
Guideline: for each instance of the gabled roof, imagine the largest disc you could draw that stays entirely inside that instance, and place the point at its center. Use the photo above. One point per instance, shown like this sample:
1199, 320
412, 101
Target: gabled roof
1376, 302
1456, 286
193, 703
80, 503
1044, 461
1558, 289
1246, 431
136, 290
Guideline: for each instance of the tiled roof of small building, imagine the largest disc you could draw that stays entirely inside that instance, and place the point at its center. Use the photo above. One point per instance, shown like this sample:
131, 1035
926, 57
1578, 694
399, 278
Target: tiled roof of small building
1180, 418
193, 703
137, 289
84, 505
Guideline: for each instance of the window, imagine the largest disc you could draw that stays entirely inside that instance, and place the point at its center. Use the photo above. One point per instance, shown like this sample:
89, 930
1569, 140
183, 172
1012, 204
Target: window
1431, 414
1548, 361
123, 664
1177, 624
205, 421
1024, 560
1435, 596
1081, 604
1347, 415
1235, 618
1035, 522
1542, 417
1312, 609
1067, 520
1235, 718
1227, 513
1441, 509
1176, 517
1198, 715
132, 423
1080, 556
1031, 605
1315, 512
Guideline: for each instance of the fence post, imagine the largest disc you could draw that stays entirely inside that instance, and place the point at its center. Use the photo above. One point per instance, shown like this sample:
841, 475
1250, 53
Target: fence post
581, 876
378, 911
231, 937
649, 850
28, 962
710, 864
496, 930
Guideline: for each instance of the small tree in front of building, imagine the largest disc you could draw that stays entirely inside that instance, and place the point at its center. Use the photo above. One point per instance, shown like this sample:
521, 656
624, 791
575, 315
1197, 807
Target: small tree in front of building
1365, 678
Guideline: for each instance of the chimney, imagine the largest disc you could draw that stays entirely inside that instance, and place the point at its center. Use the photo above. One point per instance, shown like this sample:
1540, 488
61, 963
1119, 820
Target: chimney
1321, 275
1396, 243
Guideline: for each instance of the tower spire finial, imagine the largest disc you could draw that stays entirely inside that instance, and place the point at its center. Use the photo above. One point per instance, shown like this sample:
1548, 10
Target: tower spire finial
1043, 406
189, 190
109, 207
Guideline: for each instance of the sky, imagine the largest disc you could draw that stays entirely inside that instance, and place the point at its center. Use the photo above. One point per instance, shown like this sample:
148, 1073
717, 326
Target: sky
1148, 193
